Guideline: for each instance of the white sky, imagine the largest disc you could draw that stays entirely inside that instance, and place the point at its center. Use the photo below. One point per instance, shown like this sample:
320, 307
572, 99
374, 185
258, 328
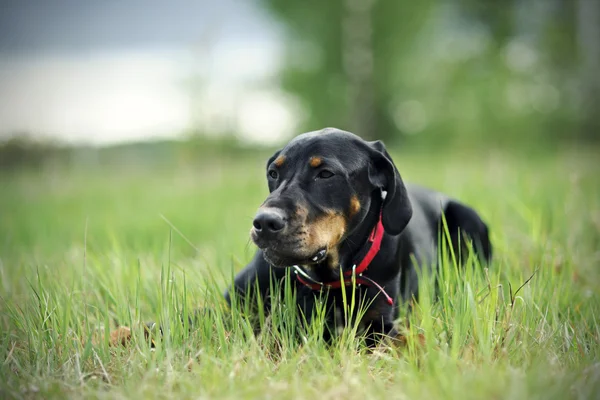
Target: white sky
102, 75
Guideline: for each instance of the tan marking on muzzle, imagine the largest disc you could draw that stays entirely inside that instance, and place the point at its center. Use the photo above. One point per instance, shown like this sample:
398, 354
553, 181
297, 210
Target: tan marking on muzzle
354, 206
327, 231
315, 161
279, 161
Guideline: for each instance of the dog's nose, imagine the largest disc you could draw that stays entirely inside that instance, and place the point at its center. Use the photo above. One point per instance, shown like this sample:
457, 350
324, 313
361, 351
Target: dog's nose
268, 223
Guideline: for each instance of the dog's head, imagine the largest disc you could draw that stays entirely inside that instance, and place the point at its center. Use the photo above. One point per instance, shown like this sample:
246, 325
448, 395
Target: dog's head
322, 186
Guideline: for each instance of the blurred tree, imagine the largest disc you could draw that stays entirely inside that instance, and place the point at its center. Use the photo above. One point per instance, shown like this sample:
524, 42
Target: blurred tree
588, 23
22, 149
497, 16
343, 57
445, 72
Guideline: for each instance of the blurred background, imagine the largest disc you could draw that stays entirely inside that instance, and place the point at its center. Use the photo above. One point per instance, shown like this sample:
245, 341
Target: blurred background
134, 133
424, 73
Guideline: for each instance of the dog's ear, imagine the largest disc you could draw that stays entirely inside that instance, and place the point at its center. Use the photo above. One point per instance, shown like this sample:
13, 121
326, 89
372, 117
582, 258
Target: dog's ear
397, 210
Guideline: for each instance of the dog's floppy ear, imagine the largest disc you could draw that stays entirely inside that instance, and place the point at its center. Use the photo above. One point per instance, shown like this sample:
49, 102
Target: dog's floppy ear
397, 210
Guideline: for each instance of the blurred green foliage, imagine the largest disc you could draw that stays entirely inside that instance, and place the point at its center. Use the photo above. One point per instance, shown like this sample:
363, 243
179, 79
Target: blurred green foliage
462, 72
25, 151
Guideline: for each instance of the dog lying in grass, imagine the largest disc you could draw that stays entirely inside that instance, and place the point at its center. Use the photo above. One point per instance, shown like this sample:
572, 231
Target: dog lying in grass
339, 221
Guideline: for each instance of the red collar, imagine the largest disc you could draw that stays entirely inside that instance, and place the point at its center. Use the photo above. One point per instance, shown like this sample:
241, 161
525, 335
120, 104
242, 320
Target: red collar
356, 273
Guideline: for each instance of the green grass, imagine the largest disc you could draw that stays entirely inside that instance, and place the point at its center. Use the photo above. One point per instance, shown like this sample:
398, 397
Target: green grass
83, 247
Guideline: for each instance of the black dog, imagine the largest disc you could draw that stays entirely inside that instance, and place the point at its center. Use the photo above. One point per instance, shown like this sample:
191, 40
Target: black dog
339, 215
337, 205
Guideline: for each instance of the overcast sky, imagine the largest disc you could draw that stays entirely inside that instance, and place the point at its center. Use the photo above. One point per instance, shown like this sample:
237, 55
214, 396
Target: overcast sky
105, 71
72, 26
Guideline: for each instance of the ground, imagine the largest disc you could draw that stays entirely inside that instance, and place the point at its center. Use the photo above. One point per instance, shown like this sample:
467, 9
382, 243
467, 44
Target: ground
87, 247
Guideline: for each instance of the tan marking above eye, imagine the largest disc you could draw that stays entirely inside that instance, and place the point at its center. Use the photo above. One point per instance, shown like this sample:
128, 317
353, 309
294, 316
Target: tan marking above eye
279, 161
354, 205
315, 161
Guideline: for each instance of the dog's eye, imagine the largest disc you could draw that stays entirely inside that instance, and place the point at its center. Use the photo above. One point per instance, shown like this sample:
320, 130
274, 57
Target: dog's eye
273, 174
325, 174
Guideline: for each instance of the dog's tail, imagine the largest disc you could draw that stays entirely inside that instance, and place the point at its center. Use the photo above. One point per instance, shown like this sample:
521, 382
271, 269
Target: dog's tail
465, 225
